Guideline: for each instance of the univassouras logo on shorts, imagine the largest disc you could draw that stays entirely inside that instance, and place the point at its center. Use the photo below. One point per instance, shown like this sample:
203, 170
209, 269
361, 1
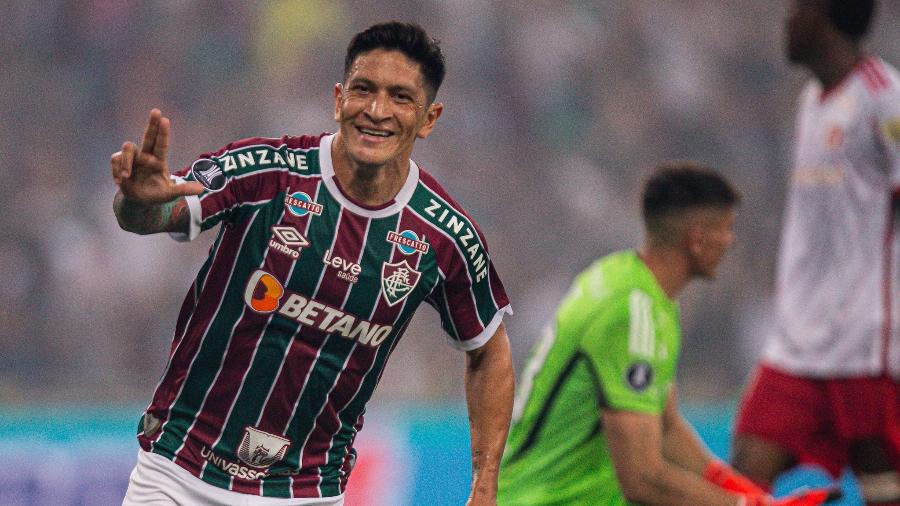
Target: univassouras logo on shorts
232, 468
265, 294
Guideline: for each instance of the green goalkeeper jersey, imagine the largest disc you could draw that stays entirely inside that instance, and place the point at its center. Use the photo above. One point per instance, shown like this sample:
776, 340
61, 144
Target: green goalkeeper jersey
614, 344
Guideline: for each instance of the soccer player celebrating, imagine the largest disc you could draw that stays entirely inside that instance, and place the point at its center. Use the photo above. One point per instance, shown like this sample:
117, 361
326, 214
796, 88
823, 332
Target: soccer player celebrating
327, 244
596, 419
827, 391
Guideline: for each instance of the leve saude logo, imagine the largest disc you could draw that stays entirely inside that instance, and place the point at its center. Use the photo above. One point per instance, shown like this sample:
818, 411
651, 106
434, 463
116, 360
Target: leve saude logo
346, 269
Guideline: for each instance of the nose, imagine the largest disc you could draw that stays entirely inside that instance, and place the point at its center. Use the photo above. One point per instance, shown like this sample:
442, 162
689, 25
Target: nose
377, 108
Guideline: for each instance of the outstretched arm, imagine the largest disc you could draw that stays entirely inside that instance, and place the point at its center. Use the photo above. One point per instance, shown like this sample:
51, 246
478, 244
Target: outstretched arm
151, 218
660, 460
681, 444
636, 445
148, 200
490, 383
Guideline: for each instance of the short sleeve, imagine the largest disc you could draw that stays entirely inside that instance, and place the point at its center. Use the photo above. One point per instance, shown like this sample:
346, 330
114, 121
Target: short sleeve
241, 175
470, 297
621, 344
887, 127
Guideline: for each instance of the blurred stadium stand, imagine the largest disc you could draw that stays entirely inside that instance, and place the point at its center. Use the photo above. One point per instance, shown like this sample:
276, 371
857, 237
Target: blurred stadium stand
554, 112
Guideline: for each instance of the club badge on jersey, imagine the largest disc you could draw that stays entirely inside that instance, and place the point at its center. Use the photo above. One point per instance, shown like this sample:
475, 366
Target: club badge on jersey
397, 281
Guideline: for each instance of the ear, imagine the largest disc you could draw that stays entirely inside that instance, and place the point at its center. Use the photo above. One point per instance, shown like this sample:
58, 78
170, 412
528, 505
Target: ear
695, 240
431, 117
338, 88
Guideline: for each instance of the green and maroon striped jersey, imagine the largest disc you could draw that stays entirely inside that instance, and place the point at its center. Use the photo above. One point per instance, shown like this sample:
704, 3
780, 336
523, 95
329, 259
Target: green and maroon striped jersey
286, 330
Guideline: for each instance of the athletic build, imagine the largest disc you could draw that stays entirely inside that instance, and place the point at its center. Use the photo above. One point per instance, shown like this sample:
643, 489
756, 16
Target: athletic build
596, 419
827, 389
326, 247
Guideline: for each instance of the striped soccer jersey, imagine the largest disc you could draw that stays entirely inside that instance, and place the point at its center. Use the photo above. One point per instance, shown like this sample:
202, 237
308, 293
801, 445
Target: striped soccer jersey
837, 280
286, 330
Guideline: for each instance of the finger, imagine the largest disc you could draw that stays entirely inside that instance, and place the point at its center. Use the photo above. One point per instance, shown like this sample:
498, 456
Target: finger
150, 132
147, 161
188, 188
161, 145
128, 151
115, 163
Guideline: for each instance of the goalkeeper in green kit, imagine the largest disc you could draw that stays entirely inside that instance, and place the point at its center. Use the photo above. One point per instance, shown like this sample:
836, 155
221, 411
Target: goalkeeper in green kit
596, 420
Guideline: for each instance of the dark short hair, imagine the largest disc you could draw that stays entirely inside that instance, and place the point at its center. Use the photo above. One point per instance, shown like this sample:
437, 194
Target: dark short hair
678, 186
851, 17
408, 38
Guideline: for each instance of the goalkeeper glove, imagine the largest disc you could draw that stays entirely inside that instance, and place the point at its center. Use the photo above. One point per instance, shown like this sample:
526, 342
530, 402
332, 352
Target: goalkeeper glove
814, 497
724, 476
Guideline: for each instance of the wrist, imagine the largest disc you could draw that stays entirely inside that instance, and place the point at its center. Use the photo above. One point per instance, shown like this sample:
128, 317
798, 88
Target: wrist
724, 476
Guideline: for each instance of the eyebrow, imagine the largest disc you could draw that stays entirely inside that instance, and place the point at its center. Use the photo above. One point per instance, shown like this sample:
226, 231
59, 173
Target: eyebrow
393, 88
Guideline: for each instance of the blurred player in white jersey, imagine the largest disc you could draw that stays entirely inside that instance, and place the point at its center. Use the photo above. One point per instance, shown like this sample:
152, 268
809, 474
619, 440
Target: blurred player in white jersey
827, 391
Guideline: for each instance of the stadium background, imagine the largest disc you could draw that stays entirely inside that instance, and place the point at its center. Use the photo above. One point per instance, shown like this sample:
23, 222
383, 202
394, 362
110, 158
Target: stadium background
554, 113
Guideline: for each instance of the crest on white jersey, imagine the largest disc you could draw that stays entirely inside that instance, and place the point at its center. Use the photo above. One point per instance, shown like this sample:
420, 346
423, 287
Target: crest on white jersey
261, 449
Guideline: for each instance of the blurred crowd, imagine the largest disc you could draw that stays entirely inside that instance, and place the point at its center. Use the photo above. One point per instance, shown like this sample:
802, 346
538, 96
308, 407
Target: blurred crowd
554, 113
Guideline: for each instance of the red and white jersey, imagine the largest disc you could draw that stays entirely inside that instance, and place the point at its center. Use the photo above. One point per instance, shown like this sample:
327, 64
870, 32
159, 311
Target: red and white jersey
838, 279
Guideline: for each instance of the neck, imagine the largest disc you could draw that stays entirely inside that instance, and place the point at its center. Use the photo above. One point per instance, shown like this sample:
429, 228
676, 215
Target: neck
669, 267
835, 62
372, 185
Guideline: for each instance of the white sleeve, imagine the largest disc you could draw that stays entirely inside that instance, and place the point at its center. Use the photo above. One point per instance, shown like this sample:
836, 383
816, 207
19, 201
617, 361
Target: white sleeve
193, 202
887, 118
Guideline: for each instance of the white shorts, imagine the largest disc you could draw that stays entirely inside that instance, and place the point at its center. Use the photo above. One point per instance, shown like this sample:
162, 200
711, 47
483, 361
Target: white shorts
158, 481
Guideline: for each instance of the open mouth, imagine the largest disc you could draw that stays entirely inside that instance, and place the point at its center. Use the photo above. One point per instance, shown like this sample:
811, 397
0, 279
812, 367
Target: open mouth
374, 133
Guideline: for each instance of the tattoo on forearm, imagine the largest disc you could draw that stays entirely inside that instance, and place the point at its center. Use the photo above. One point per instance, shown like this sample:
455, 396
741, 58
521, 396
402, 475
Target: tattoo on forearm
150, 219
179, 216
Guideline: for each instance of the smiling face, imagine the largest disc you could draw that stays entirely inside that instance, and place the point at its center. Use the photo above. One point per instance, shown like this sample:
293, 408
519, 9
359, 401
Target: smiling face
382, 107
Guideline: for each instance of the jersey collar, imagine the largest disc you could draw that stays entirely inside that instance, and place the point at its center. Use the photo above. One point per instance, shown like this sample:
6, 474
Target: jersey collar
400, 200
651, 279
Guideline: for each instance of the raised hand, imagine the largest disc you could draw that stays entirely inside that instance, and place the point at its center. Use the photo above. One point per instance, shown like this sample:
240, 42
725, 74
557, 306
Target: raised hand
143, 175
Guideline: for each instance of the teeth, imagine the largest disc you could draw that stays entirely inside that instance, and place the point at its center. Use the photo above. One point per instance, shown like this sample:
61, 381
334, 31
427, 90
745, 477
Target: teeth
374, 132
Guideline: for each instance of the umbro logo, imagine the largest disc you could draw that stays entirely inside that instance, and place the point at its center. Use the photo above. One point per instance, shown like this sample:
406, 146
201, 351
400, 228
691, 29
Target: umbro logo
287, 240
